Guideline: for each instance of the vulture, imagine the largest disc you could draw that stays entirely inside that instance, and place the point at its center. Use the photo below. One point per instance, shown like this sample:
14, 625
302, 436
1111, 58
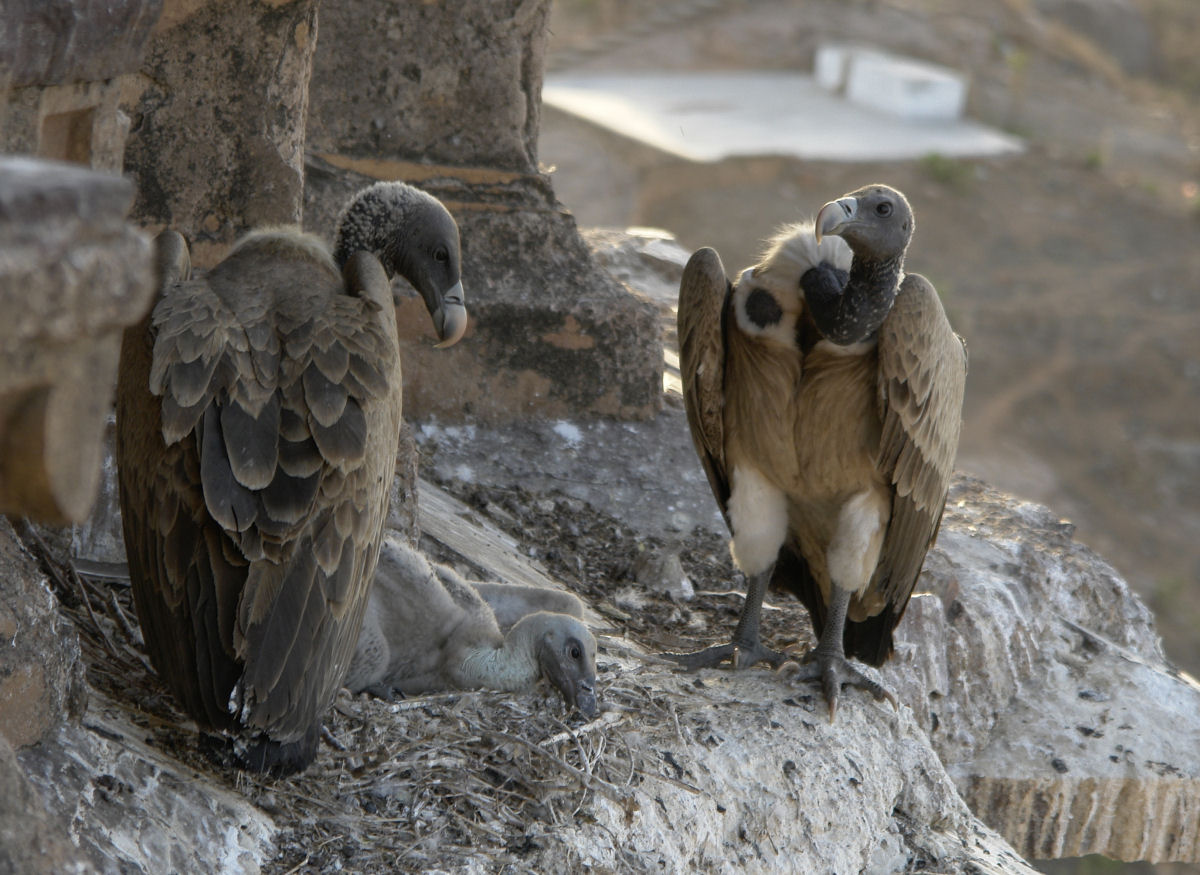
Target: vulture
258, 414
427, 629
824, 396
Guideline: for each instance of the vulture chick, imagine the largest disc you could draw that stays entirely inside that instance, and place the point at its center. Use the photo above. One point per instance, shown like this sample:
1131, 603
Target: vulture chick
427, 629
824, 394
258, 410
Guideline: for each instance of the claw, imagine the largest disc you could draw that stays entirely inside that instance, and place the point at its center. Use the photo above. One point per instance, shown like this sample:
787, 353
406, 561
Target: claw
833, 671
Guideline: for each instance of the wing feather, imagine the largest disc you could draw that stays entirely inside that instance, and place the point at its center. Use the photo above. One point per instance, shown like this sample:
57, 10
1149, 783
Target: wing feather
260, 411
704, 293
922, 377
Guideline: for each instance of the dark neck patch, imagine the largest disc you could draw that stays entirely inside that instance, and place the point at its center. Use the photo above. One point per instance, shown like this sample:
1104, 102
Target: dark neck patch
762, 309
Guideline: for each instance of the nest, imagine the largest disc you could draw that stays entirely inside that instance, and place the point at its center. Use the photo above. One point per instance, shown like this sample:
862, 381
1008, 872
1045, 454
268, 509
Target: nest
453, 780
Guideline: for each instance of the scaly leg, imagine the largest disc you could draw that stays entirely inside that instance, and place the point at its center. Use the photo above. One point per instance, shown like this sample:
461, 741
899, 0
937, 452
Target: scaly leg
827, 661
746, 649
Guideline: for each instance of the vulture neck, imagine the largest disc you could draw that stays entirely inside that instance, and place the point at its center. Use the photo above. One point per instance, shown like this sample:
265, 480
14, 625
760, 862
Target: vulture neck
854, 314
511, 666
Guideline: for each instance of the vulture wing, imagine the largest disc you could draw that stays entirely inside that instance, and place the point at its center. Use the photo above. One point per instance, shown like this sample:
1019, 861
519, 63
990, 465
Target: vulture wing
256, 449
922, 375
704, 293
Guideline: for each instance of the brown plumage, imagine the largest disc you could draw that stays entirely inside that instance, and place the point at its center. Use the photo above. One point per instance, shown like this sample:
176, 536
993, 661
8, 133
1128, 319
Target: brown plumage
258, 412
824, 395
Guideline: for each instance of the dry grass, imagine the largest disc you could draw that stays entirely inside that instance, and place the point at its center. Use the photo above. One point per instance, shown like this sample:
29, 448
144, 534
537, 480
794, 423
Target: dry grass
441, 781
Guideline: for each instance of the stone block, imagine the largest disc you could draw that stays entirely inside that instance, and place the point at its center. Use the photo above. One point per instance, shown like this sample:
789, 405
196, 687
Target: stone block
454, 83
904, 87
73, 274
56, 42
217, 139
29, 842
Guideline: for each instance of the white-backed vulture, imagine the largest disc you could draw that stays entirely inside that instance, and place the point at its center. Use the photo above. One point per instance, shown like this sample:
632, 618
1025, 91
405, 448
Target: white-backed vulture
427, 629
258, 414
824, 394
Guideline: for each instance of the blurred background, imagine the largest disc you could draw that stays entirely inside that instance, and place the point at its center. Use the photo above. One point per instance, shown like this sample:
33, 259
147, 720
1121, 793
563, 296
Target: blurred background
1057, 207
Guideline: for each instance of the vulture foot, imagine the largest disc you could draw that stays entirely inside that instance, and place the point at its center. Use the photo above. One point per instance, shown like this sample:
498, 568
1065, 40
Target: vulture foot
834, 671
740, 655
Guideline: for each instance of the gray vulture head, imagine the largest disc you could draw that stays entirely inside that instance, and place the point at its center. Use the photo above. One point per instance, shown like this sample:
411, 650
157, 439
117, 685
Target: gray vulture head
413, 235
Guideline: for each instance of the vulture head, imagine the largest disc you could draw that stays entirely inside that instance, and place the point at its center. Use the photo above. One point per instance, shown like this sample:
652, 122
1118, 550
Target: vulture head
566, 656
876, 221
413, 235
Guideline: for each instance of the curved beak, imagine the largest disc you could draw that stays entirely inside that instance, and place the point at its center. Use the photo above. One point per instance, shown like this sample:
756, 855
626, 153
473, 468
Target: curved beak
582, 695
450, 317
834, 216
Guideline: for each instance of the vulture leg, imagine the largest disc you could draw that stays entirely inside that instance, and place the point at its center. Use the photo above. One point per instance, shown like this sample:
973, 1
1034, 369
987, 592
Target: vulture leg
827, 661
746, 648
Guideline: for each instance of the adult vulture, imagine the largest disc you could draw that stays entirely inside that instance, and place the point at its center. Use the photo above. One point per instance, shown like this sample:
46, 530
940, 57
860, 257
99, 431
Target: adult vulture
258, 410
824, 394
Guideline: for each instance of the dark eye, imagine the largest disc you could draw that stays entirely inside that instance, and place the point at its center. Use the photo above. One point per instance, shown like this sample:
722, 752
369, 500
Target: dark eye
441, 256
884, 209
576, 653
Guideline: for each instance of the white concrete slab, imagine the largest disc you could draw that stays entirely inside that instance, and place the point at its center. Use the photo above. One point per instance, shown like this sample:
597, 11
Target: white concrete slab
711, 116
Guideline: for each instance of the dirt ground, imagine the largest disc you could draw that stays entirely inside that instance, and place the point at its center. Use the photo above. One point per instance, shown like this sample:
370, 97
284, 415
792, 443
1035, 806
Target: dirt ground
1073, 270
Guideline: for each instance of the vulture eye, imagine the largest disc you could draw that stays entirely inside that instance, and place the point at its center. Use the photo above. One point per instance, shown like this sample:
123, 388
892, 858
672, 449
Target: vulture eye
576, 653
441, 256
884, 209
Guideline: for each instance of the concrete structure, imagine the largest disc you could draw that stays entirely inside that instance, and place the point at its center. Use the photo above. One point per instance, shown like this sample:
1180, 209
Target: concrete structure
712, 116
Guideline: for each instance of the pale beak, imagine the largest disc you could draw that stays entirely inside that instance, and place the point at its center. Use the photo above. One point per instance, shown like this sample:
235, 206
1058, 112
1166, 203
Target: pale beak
450, 318
834, 216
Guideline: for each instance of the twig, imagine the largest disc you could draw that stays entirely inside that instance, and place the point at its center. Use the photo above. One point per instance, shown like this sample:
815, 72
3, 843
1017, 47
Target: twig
605, 720
616, 794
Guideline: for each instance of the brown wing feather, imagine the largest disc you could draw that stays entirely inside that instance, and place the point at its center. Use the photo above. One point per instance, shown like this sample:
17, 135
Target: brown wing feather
922, 376
229, 476
704, 294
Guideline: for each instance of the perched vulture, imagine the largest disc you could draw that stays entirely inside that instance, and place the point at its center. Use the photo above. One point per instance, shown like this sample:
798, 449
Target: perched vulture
427, 629
824, 394
258, 412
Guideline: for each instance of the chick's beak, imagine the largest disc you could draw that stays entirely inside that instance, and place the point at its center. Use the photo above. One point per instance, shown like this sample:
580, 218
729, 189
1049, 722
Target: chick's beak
834, 216
450, 317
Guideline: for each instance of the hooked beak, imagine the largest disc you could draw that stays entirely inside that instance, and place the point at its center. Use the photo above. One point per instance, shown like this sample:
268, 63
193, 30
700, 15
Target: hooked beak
578, 689
450, 317
835, 216
582, 695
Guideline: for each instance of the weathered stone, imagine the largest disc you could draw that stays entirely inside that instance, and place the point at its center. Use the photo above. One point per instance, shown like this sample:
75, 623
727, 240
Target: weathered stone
452, 83
73, 274
130, 808
41, 677
28, 840
53, 42
1045, 690
551, 334
64, 68
217, 142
